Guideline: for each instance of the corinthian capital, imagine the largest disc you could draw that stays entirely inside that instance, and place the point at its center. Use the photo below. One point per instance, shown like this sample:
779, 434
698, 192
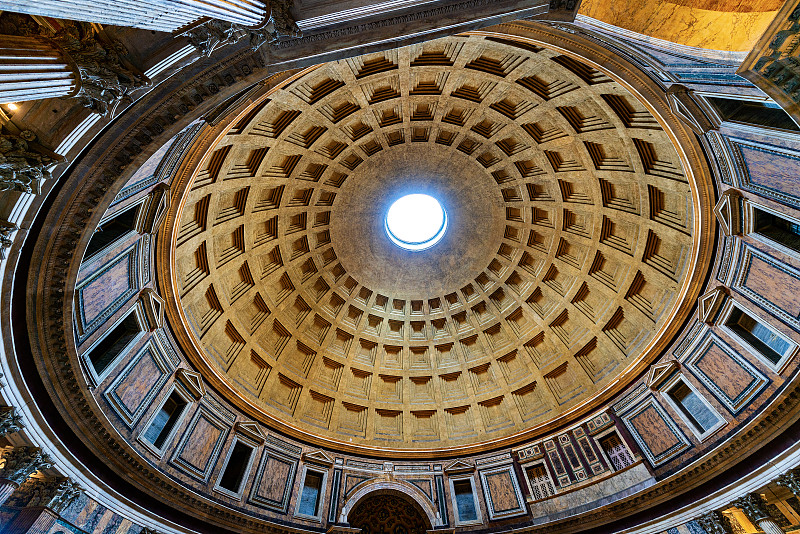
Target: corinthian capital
715, 523
55, 493
10, 422
753, 506
18, 463
791, 481
106, 78
23, 168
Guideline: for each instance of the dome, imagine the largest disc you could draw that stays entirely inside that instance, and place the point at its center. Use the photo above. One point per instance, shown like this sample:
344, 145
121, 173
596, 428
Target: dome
399, 267
568, 252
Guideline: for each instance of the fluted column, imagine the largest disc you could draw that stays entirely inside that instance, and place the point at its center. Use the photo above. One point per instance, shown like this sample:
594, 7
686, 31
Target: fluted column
76, 61
18, 463
715, 523
32, 69
755, 508
42, 501
162, 15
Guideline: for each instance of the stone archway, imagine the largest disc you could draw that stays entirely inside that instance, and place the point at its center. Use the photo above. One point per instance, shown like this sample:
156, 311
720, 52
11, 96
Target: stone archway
388, 512
402, 498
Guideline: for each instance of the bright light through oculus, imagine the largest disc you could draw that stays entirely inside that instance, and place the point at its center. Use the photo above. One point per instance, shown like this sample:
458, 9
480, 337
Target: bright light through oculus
416, 222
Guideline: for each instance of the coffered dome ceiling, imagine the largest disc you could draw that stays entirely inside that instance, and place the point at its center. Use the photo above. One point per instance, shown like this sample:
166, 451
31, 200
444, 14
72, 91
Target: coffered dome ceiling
568, 252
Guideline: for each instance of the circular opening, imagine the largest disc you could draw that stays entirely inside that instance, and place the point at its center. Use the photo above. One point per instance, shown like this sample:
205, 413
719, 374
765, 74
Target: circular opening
416, 222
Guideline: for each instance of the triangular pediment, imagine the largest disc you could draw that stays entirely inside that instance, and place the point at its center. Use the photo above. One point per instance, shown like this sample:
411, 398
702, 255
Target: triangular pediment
709, 304
660, 372
251, 429
686, 108
153, 308
728, 211
318, 457
192, 381
459, 466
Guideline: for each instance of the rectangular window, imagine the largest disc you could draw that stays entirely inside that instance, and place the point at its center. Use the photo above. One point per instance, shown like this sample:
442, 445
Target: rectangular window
465, 501
112, 229
164, 421
309, 498
540, 483
616, 451
238, 462
111, 346
777, 229
771, 345
693, 407
767, 114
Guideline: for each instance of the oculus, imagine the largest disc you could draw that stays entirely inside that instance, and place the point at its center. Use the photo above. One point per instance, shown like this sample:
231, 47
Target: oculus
416, 222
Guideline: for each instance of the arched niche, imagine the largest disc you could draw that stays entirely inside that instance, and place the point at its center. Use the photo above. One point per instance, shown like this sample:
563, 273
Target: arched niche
402, 490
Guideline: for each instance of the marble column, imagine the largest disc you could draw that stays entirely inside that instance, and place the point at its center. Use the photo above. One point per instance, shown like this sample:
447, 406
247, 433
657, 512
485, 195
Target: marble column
42, 501
715, 523
77, 60
10, 422
18, 463
31, 69
755, 508
160, 15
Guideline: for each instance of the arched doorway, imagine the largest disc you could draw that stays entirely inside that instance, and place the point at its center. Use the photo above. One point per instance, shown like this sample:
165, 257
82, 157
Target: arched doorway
388, 513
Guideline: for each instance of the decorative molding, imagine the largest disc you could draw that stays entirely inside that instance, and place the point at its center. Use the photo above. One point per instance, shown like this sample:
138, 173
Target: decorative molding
687, 110
7, 230
772, 63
